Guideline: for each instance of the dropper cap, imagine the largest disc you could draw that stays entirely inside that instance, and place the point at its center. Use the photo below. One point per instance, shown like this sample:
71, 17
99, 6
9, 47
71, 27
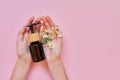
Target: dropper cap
34, 36
32, 25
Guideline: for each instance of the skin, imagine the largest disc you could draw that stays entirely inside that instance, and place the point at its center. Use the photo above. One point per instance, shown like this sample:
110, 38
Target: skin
24, 62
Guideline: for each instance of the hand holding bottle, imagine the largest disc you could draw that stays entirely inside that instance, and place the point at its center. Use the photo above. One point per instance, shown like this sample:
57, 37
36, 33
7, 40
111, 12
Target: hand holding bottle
22, 41
23, 63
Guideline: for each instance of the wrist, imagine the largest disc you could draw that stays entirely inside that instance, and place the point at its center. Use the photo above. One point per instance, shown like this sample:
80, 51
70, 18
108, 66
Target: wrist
25, 60
22, 68
57, 67
54, 61
53, 58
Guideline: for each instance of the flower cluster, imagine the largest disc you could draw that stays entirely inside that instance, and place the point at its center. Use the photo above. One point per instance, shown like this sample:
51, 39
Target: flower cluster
47, 39
59, 34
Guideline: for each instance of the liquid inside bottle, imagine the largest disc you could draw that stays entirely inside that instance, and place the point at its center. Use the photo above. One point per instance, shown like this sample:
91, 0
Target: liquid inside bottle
37, 52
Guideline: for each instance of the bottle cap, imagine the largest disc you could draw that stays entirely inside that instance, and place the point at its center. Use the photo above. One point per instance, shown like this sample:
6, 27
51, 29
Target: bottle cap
34, 37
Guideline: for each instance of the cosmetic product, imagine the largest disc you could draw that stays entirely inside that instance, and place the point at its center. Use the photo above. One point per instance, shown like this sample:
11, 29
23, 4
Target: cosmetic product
35, 47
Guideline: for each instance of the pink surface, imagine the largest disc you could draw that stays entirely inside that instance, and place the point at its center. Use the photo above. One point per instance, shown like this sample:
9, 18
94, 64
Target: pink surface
91, 35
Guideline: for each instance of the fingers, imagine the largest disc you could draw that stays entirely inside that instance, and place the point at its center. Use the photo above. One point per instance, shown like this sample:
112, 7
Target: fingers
47, 26
24, 29
41, 31
52, 32
21, 33
38, 19
42, 28
37, 27
46, 23
49, 20
31, 19
52, 26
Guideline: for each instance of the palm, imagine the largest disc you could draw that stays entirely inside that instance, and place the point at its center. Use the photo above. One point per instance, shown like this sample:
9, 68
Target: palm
22, 48
55, 52
22, 43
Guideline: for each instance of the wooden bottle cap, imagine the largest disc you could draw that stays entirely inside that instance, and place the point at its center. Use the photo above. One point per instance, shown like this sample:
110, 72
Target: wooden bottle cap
33, 37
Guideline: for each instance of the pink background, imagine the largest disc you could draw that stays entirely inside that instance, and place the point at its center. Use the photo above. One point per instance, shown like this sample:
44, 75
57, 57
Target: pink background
91, 35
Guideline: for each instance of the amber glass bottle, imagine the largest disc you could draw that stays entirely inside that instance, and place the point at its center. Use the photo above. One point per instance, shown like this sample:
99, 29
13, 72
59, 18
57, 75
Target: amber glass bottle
37, 52
35, 47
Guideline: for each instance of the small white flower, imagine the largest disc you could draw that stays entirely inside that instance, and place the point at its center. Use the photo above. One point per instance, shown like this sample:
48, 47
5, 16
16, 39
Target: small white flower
45, 36
51, 32
51, 45
59, 34
45, 31
57, 27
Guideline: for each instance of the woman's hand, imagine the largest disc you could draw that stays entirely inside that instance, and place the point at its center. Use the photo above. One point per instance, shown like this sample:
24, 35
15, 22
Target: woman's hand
22, 43
52, 48
23, 63
52, 54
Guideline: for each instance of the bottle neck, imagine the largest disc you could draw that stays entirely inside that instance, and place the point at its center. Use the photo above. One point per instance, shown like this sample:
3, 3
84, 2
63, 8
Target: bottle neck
36, 42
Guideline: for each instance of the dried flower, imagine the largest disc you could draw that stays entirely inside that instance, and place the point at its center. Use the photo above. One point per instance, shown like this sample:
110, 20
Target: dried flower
45, 36
57, 27
51, 32
51, 45
45, 31
59, 34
